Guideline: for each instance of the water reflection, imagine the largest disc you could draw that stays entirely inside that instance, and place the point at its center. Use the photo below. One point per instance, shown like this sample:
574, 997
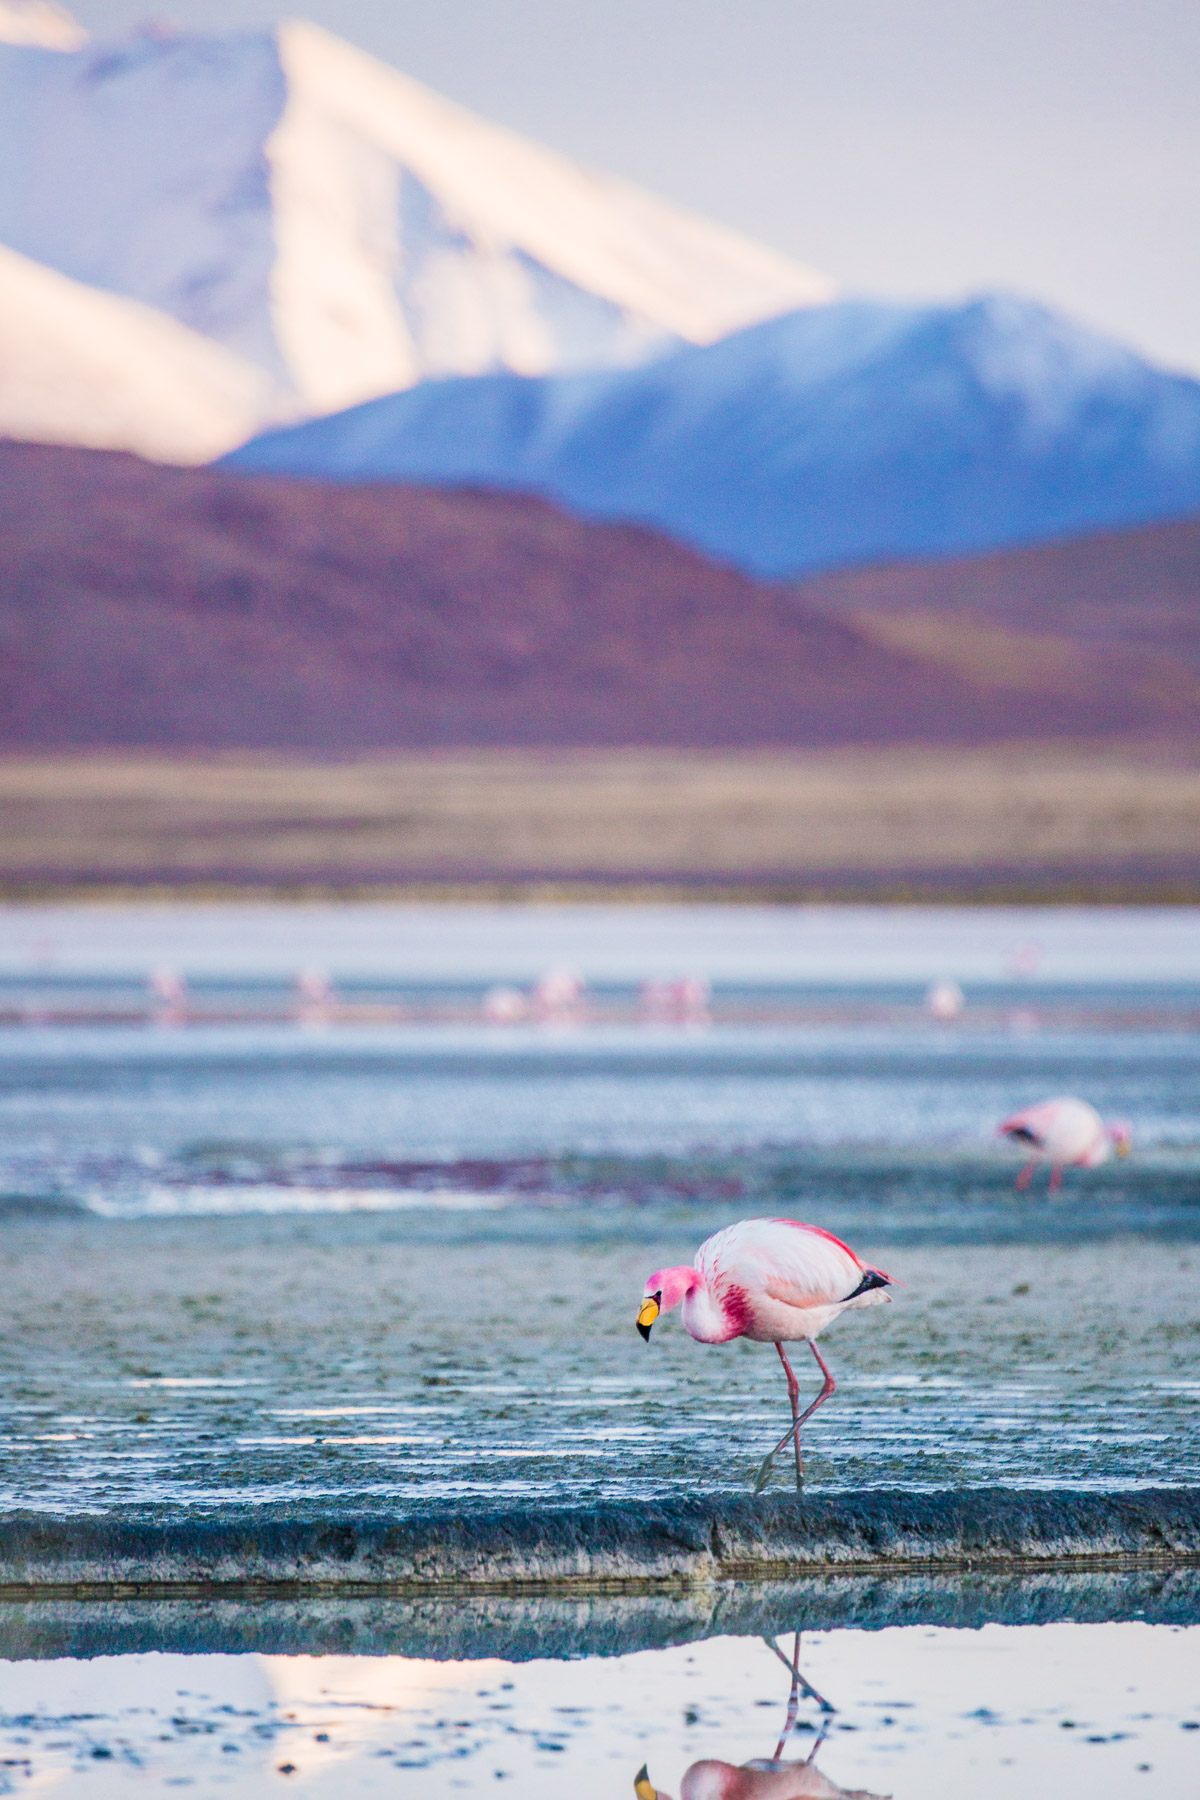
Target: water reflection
767, 1777
1106, 1710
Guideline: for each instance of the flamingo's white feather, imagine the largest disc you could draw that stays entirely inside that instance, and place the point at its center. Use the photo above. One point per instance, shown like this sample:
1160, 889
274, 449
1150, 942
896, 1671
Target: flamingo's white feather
773, 1280
791, 1262
1064, 1131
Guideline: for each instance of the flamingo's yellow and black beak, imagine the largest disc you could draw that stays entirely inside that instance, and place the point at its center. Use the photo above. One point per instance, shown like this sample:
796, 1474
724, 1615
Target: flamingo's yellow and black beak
643, 1787
1123, 1146
648, 1311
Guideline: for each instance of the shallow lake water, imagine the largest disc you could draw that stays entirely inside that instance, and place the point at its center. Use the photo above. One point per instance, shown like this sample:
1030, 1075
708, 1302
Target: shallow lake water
291, 1258
914, 1712
260, 1251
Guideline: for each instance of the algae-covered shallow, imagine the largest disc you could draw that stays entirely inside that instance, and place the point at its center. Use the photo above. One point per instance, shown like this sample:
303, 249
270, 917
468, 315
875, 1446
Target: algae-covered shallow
352, 1266
392, 1360
385, 1703
329, 1326
340, 1361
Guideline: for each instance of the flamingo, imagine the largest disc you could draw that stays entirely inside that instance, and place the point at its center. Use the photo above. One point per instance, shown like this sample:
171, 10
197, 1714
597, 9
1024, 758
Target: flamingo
765, 1778
1066, 1133
774, 1281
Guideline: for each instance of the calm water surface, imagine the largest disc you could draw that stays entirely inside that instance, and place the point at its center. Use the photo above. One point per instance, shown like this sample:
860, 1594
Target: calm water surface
918, 1713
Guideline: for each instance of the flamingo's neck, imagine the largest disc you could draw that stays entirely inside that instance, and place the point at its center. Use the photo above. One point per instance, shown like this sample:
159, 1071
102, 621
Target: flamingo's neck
708, 1319
674, 1285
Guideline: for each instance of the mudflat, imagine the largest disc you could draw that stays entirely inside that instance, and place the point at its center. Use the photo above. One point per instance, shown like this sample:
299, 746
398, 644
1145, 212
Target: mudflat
1047, 821
474, 1361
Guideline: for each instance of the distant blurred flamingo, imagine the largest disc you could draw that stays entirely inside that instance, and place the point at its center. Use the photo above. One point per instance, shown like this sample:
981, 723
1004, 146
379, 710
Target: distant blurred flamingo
944, 1000
765, 1778
170, 995
682, 1002
505, 1005
762, 1779
1066, 1133
558, 996
314, 991
775, 1281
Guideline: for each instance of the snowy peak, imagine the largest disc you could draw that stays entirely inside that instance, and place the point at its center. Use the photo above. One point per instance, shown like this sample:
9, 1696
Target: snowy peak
415, 240
39, 23
83, 367
500, 192
841, 434
138, 167
325, 218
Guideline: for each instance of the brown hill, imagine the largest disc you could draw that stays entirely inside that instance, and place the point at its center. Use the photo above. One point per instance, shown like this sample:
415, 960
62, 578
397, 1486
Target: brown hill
147, 606
1117, 606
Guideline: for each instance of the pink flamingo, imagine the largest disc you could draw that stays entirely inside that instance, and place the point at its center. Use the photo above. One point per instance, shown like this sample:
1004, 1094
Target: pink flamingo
774, 1281
765, 1778
768, 1777
1066, 1133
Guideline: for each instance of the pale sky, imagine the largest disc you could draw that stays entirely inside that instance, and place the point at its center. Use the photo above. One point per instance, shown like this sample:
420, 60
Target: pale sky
906, 147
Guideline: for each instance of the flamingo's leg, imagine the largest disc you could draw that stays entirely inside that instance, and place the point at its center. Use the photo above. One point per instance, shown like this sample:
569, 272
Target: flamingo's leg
1056, 1176
793, 1388
793, 1705
1026, 1175
805, 1685
818, 1741
793, 1430
799, 1683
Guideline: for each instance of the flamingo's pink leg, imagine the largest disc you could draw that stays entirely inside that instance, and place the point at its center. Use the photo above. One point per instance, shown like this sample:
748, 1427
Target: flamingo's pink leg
799, 1684
793, 1705
827, 1388
1026, 1175
1056, 1176
793, 1388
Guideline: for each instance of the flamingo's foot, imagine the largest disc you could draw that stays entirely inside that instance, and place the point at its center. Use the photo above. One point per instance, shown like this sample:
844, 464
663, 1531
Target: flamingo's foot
764, 1473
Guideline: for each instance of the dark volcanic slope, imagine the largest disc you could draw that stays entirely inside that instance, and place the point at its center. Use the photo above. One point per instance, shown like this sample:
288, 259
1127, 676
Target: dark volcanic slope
141, 605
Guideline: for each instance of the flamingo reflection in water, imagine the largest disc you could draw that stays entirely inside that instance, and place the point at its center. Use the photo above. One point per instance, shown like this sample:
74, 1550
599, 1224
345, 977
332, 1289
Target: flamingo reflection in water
767, 1777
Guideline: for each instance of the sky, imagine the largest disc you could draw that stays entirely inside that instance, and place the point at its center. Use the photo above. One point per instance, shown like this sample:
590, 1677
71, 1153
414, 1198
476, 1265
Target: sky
906, 147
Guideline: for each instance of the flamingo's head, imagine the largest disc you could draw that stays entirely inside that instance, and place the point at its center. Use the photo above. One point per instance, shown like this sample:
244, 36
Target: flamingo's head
1120, 1133
1019, 1128
664, 1289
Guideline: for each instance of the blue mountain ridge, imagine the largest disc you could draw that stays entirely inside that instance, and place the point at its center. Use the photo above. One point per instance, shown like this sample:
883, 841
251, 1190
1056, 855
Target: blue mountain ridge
838, 434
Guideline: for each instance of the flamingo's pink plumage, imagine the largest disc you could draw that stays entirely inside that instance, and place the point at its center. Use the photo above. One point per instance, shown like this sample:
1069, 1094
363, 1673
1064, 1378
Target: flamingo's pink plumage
1066, 1133
768, 1777
775, 1281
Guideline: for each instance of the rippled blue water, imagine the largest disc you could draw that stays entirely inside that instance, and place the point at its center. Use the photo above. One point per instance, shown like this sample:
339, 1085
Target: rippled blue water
839, 1100
134, 1119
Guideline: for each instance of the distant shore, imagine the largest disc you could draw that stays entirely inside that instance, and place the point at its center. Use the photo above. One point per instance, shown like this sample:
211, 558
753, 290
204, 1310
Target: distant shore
1016, 825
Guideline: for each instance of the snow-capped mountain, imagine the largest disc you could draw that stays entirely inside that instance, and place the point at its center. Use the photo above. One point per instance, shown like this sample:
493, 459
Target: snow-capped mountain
39, 22
79, 366
840, 434
338, 226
